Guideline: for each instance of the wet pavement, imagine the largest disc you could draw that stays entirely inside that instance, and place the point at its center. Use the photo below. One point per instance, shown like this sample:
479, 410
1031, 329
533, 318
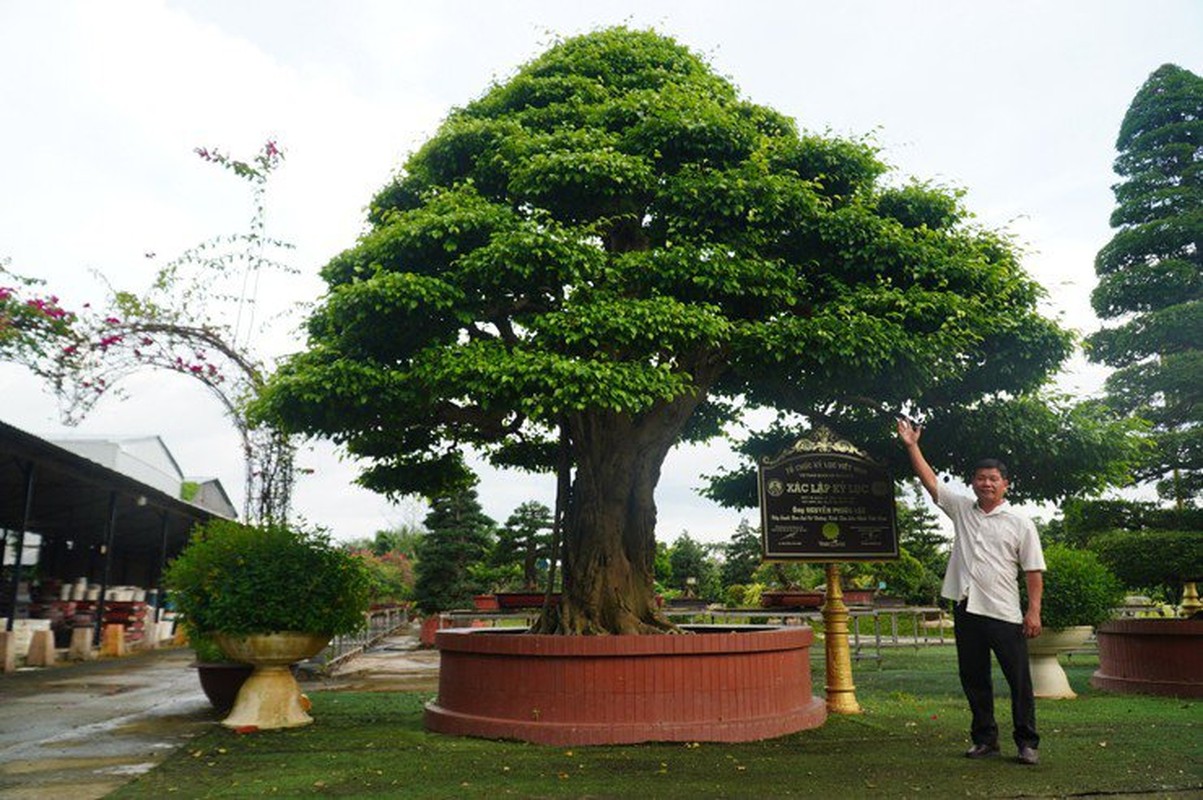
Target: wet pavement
82, 730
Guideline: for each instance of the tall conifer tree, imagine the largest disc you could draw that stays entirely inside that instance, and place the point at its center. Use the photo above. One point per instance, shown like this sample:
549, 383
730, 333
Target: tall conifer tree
458, 534
1151, 278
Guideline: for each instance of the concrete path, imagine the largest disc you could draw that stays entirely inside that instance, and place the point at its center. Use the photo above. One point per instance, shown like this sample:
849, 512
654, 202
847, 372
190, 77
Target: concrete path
80, 731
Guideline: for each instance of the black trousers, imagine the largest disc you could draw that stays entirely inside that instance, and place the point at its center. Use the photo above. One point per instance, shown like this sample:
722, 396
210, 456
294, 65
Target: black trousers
977, 637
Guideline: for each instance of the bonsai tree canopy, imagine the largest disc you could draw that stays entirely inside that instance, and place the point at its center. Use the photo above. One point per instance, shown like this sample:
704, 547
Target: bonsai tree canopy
612, 252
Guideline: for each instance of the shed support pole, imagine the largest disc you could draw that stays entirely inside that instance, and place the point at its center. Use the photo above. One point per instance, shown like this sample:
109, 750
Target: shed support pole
161, 565
19, 548
109, 534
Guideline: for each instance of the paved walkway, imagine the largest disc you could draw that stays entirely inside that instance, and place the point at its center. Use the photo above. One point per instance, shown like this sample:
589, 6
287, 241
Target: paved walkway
80, 731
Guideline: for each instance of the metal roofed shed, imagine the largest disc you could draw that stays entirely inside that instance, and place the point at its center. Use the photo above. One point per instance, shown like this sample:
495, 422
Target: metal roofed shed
94, 520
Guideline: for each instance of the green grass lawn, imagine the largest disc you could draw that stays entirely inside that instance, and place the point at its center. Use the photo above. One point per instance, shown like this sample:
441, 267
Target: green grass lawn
907, 743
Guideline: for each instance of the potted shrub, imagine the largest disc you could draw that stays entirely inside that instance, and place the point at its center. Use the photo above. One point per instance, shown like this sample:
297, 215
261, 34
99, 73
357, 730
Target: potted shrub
220, 677
1079, 593
269, 596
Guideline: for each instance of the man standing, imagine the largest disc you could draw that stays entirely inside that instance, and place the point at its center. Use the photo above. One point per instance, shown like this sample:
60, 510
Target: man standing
992, 544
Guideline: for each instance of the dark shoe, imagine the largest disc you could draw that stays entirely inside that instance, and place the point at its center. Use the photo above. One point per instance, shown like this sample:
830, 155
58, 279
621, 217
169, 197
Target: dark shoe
982, 751
1029, 755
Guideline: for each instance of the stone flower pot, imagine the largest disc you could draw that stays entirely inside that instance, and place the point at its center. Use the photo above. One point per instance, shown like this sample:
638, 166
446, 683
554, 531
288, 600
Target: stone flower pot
270, 698
1048, 677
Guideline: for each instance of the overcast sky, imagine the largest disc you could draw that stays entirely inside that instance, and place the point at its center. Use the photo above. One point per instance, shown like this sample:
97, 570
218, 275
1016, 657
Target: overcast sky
103, 102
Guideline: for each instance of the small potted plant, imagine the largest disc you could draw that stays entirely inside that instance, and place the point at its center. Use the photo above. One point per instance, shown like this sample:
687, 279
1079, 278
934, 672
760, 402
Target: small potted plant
220, 677
1079, 593
269, 596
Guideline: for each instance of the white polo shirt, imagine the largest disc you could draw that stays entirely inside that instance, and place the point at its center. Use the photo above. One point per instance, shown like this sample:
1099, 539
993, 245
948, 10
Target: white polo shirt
988, 553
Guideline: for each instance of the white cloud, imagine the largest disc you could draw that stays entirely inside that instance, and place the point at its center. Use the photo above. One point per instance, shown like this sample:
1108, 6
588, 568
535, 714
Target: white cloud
1018, 102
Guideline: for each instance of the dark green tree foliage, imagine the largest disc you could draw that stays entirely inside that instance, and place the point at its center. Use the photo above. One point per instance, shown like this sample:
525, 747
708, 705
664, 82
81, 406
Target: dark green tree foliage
919, 530
741, 555
1156, 560
403, 540
458, 535
615, 244
524, 540
1151, 278
1085, 518
691, 559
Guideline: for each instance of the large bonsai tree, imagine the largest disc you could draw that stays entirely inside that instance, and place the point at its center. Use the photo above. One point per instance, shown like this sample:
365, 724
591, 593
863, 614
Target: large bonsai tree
1151, 278
612, 252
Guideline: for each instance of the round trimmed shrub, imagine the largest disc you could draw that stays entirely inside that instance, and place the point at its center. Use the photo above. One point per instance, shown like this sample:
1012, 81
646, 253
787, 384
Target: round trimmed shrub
238, 579
1078, 589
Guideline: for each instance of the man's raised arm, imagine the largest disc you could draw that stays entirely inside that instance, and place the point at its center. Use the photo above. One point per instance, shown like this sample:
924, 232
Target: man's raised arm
909, 433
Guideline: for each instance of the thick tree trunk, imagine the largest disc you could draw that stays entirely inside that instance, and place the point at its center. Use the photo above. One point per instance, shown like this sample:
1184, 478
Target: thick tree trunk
610, 523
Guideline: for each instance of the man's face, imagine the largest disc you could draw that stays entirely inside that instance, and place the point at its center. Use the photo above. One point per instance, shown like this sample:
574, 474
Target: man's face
989, 485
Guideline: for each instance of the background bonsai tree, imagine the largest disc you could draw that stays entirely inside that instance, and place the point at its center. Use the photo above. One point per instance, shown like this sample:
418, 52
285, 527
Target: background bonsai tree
458, 536
525, 541
613, 252
1151, 279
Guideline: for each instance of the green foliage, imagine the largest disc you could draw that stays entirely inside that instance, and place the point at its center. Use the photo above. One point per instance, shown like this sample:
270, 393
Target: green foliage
403, 540
238, 579
390, 575
612, 225
1078, 589
1156, 560
1151, 278
458, 535
662, 569
741, 555
777, 575
524, 541
908, 578
738, 595
691, 559
614, 244
206, 648
1088, 517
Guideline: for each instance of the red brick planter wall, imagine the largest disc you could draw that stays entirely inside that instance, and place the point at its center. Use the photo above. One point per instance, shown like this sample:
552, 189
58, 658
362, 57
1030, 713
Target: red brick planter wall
1151, 656
723, 684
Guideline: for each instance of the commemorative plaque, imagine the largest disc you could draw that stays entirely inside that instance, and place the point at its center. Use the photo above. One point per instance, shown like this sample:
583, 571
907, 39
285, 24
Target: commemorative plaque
824, 499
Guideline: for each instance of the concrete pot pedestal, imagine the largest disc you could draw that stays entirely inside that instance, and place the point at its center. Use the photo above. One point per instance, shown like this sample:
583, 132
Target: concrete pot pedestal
270, 698
1048, 677
721, 684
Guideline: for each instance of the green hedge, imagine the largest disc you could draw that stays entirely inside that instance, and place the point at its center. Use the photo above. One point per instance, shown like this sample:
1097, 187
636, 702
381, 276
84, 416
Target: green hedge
1154, 560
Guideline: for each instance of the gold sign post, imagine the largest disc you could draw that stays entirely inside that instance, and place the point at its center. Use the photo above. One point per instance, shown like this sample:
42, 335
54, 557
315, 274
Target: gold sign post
841, 693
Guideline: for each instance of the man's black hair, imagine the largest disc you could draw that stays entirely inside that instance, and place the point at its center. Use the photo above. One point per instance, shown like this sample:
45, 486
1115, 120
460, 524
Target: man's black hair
992, 463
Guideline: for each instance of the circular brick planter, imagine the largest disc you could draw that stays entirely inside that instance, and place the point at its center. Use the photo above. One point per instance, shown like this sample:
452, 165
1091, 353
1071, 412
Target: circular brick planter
1151, 656
723, 684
